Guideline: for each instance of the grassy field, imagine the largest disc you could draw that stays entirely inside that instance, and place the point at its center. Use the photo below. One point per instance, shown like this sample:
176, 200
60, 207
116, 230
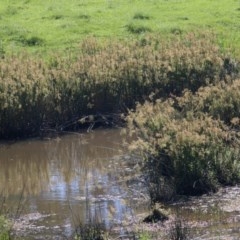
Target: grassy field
38, 25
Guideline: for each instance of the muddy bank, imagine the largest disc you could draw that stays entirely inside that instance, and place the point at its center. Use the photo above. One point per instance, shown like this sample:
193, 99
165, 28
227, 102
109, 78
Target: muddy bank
209, 217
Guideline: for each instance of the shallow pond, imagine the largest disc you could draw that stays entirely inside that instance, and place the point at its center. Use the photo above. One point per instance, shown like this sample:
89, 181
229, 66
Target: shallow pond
50, 186
53, 185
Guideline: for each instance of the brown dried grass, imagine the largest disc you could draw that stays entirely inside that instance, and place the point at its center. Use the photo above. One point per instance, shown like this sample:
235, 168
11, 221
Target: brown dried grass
103, 77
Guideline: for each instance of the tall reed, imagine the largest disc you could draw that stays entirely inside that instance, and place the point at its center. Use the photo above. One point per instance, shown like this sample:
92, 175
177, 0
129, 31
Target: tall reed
103, 78
186, 150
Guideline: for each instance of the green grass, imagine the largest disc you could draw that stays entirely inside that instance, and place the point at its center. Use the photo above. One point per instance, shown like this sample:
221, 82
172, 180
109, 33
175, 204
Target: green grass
4, 228
39, 25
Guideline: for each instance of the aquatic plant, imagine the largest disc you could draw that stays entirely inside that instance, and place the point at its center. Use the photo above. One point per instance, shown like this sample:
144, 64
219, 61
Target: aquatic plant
179, 230
93, 228
103, 78
220, 101
89, 231
185, 152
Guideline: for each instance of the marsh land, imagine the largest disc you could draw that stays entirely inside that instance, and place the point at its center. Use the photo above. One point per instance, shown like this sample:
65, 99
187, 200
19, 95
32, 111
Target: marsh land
167, 72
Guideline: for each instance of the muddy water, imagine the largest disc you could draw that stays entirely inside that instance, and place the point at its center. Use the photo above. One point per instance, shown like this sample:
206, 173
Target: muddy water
52, 185
213, 216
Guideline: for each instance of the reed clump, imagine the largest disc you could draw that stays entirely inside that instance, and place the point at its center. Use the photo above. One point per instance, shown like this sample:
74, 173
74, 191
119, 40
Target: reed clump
187, 148
103, 78
221, 101
91, 231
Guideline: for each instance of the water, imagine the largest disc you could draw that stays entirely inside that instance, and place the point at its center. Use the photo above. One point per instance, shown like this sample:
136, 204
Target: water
50, 186
213, 216
60, 182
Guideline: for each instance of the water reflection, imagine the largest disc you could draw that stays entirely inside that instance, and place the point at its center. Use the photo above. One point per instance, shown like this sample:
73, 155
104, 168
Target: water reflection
35, 166
24, 167
71, 172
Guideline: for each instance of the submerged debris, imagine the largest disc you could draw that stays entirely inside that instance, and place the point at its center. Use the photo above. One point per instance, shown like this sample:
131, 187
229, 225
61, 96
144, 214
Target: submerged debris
156, 216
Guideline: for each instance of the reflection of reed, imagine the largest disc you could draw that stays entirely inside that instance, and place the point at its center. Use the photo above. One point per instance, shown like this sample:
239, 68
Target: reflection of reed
102, 209
81, 171
24, 167
32, 165
81, 156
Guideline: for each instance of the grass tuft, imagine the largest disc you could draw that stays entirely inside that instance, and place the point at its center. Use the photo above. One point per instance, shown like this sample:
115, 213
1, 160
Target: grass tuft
11, 10
141, 16
31, 41
4, 228
84, 16
57, 16
90, 231
176, 31
136, 28
179, 230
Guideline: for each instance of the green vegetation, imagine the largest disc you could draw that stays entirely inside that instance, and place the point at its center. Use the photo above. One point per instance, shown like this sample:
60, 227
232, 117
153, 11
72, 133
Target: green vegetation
220, 101
103, 78
60, 25
179, 230
190, 138
185, 152
86, 75
4, 229
188, 131
90, 231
